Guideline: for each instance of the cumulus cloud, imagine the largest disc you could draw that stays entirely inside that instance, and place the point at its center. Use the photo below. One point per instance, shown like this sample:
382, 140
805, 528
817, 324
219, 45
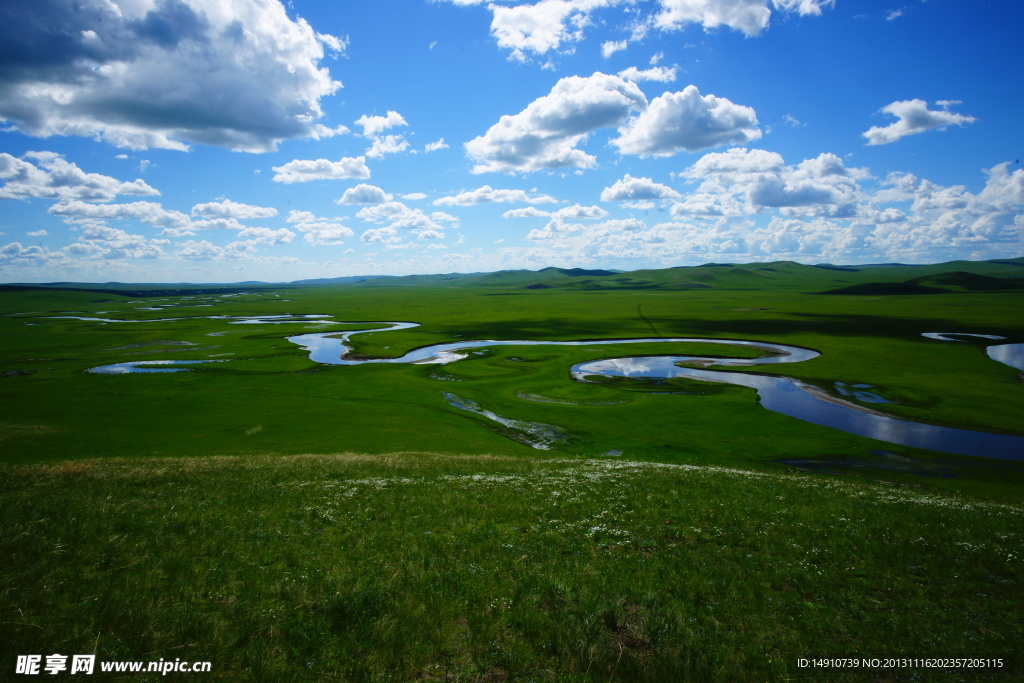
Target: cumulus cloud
914, 117
387, 144
528, 212
487, 194
748, 181
545, 134
549, 25
579, 212
101, 241
382, 235
610, 47
51, 177
295, 216
229, 209
364, 194
414, 196
932, 222
663, 74
630, 188
324, 232
239, 74
266, 235
398, 216
150, 213
558, 229
750, 17
14, 254
216, 224
736, 162
687, 121
541, 27
318, 231
374, 125
434, 146
208, 251
304, 170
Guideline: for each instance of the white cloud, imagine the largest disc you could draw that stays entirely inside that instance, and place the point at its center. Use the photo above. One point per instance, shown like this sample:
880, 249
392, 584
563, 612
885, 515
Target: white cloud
661, 74
734, 162
686, 121
295, 216
103, 242
547, 25
558, 229
387, 144
894, 14
267, 236
383, 235
239, 74
401, 217
216, 224
177, 232
914, 117
201, 251
229, 209
364, 194
373, 125
150, 213
321, 232
434, 146
637, 188
487, 194
430, 235
414, 196
545, 134
749, 16
610, 47
657, 57
304, 170
37, 233
580, 212
14, 254
55, 178
938, 223
541, 27
639, 206
528, 212
819, 186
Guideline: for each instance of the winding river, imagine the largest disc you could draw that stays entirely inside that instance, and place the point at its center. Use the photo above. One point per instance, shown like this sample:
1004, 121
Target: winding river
783, 395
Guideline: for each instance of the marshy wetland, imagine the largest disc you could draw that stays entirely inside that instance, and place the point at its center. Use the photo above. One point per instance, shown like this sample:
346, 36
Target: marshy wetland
450, 502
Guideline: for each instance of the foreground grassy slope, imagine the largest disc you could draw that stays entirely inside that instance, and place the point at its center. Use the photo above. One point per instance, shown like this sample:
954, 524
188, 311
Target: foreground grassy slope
419, 567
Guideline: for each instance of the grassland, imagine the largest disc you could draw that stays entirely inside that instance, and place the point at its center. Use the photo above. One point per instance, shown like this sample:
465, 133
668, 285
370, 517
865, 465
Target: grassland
143, 513
425, 567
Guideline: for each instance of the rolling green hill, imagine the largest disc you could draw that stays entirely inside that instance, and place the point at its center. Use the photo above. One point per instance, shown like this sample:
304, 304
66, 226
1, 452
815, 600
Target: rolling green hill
871, 279
942, 283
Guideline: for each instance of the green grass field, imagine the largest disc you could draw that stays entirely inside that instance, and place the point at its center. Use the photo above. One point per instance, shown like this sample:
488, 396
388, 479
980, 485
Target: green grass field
208, 514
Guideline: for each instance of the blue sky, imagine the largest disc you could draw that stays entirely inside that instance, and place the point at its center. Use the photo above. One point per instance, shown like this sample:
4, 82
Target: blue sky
230, 140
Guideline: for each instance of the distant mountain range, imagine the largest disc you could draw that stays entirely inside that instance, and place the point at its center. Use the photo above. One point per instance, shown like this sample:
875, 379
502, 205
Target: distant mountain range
824, 278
